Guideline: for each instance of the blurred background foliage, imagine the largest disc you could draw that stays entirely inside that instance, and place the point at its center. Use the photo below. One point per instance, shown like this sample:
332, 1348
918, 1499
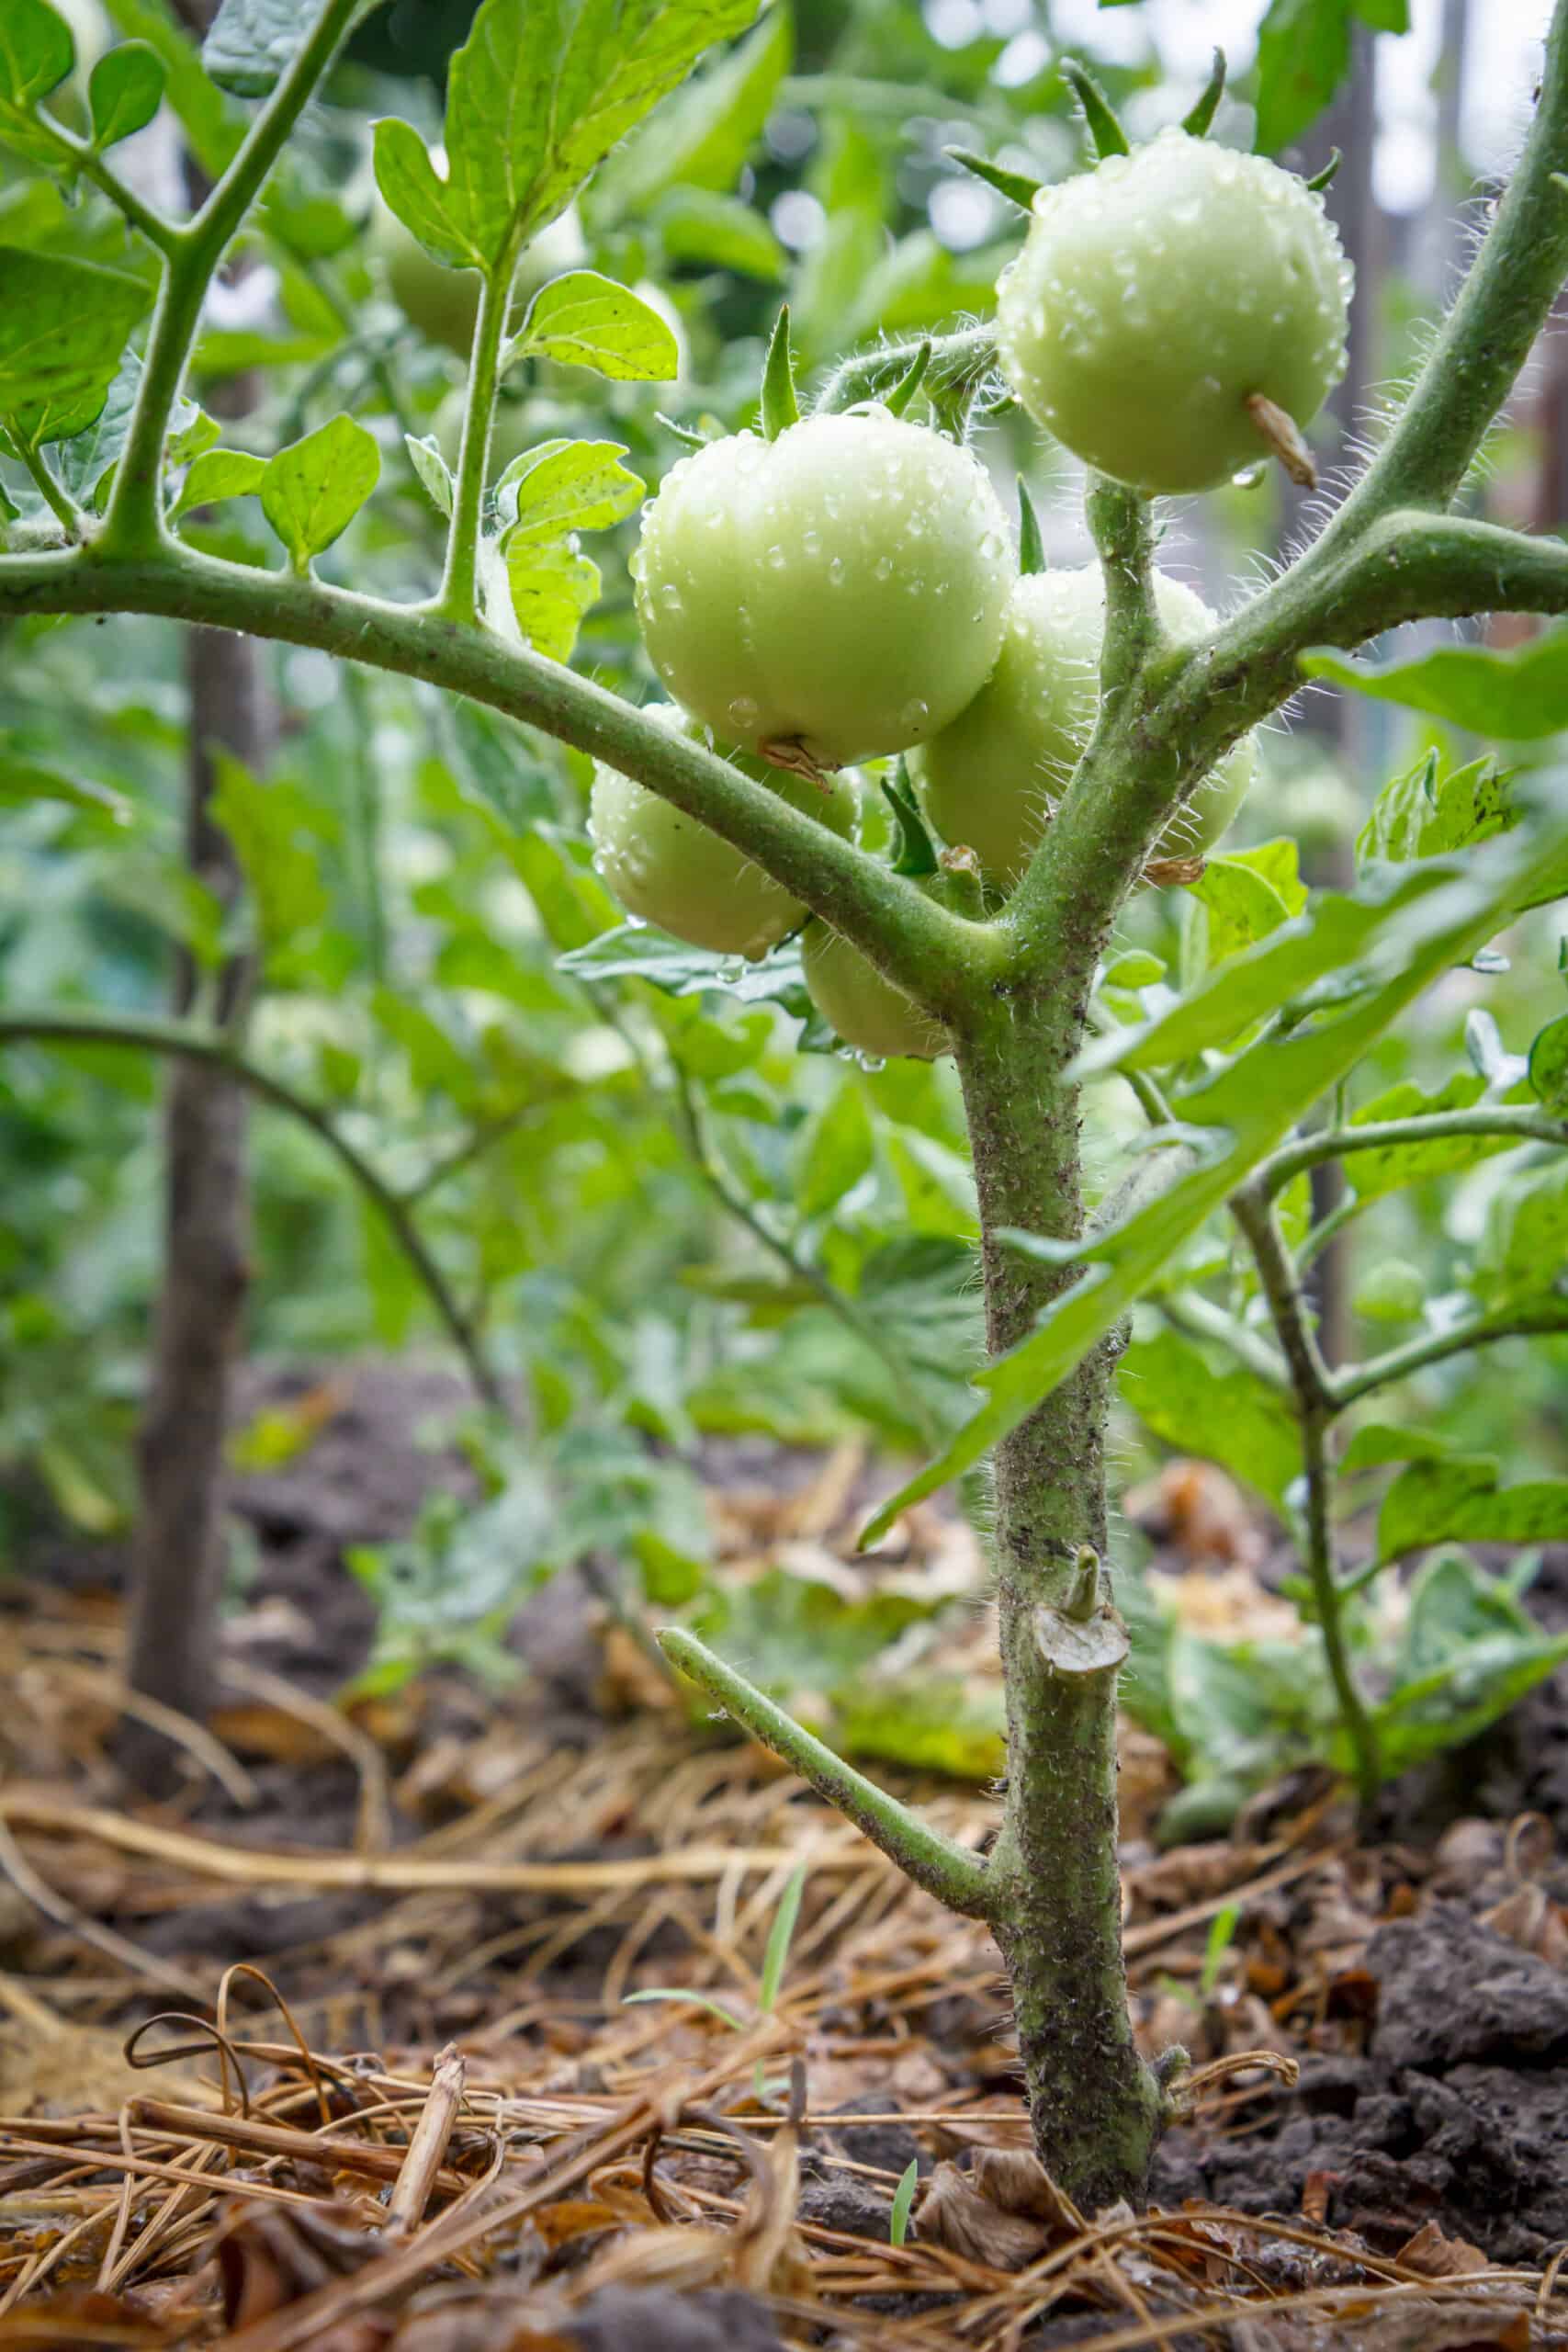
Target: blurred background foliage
660, 1218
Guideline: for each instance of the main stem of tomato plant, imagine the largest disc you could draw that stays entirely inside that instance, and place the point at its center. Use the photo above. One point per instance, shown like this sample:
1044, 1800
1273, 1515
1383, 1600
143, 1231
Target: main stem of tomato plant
1053, 1898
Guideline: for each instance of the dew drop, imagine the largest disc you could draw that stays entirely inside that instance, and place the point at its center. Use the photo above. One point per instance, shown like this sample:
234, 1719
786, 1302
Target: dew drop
743, 713
915, 713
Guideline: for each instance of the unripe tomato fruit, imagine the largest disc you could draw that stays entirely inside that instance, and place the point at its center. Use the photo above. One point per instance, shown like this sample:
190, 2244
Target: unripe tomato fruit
667, 869
866, 1010
842, 587
1157, 293
990, 778
445, 303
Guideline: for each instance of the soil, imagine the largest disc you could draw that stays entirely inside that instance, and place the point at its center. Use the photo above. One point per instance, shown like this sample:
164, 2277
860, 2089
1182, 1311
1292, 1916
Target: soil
1419, 1978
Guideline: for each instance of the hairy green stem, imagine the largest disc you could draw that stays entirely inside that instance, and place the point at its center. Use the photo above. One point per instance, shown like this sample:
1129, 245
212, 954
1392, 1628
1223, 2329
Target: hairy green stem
133, 524
934, 1861
869, 372
62, 506
83, 157
1315, 1409
1518, 1122
1056, 1900
459, 597
1541, 1321
942, 960
150, 1034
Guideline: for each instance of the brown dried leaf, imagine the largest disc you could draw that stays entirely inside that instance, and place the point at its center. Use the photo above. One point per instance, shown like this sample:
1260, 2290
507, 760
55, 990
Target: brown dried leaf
1436, 2257
951, 2213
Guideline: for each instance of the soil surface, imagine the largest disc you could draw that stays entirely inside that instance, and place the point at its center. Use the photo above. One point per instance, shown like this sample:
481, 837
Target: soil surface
1419, 1979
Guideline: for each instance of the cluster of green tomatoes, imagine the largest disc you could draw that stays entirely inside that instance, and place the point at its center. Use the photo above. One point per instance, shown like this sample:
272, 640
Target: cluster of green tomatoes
849, 590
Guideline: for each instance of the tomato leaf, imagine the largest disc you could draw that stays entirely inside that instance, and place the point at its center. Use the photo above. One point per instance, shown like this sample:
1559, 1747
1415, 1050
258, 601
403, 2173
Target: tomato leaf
1304, 54
63, 326
1549, 1066
1229, 1417
251, 41
1458, 1498
565, 486
587, 320
542, 90
212, 124
313, 491
37, 52
703, 137
1515, 696
422, 199
124, 91
217, 474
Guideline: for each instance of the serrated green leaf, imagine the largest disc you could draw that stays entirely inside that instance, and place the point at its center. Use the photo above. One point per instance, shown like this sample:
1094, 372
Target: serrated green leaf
87, 457
1422, 814
1229, 1417
550, 587
1241, 907
1469, 1651
1514, 696
313, 491
1524, 1251
710, 232
542, 90
587, 320
1549, 1066
422, 199
703, 137
124, 91
251, 41
1391, 1168
1406, 934
63, 326
217, 474
1459, 1498
936, 1725
565, 486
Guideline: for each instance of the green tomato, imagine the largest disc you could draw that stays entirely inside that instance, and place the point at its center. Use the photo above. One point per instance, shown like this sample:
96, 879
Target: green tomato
842, 587
1390, 1291
866, 1010
442, 304
666, 868
989, 780
1155, 294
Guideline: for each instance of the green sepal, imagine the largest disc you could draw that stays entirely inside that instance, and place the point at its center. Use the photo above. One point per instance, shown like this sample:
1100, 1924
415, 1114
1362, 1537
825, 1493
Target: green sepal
912, 852
1106, 132
1320, 180
781, 408
1017, 187
1031, 547
909, 383
1196, 123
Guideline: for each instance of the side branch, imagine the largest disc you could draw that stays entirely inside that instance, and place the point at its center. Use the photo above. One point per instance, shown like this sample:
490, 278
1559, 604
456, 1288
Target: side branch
861, 378
1315, 1409
150, 1034
1488, 335
1548, 1317
1517, 1124
937, 1865
939, 958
